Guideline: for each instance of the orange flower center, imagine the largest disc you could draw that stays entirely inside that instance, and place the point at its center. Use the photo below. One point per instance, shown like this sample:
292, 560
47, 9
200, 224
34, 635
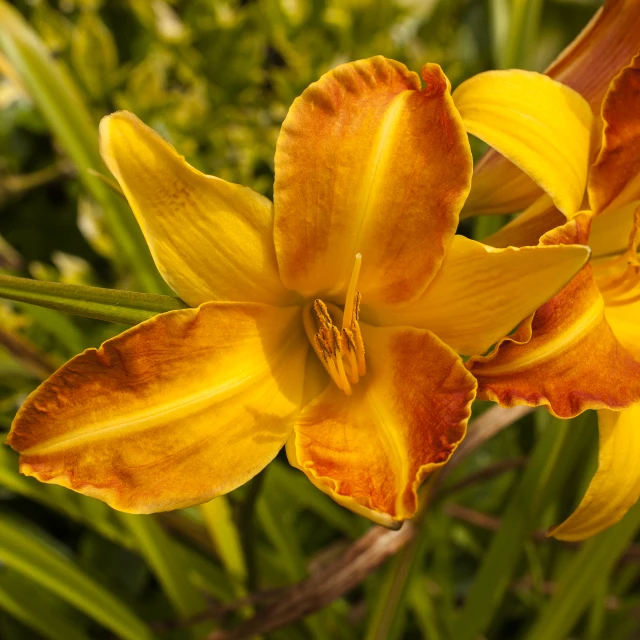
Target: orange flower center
619, 278
340, 351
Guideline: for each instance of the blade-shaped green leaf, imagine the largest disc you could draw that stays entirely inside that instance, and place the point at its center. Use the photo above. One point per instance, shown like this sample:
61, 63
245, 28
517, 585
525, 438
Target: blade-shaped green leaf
62, 105
547, 469
224, 535
127, 307
20, 598
80, 508
158, 550
581, 579
34, 559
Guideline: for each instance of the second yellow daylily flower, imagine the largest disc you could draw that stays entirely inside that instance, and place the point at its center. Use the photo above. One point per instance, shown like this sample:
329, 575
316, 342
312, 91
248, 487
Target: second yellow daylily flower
581, 350
356, 258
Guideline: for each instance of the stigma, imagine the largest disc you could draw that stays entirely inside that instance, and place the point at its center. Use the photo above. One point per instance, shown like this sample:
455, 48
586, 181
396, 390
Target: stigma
341, 351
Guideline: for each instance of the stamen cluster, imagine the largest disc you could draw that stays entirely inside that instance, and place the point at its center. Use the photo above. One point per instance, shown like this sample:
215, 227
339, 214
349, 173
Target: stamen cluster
337, 348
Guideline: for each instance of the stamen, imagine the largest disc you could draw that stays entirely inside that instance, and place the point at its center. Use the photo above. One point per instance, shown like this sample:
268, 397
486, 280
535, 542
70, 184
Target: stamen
334, 346
347, 318
327, 360
350, 348
323, 313
345, 386
357, 335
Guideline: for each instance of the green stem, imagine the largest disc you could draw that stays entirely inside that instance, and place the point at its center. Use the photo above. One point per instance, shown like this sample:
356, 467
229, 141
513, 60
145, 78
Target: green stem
127, 307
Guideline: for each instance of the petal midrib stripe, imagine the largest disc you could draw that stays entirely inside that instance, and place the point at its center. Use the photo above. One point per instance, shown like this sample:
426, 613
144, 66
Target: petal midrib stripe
375, 168
142, 421
188, 406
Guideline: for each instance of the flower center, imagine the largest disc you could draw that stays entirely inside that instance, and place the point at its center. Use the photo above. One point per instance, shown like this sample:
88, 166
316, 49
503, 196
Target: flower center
340, 351
619, 278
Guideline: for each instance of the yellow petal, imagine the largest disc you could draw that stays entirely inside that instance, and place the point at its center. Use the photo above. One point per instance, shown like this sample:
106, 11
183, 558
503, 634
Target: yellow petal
566, 358
615, 487
625, 323
540, 125
210, 239
587, 65
610, 230
480, 294
369, 163
371, 451
615, 176
174, 412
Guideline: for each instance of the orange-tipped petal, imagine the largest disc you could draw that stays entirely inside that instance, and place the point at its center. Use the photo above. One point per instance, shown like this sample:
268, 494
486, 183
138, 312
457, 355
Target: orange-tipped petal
615, 487
565, 356
604, 46
587, 65
481, 293
211, 240
370, 451
369, 163
175, 411
542, 126
615, 176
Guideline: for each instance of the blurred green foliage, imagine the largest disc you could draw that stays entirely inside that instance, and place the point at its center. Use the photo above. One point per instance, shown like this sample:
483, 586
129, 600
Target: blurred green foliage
216, 77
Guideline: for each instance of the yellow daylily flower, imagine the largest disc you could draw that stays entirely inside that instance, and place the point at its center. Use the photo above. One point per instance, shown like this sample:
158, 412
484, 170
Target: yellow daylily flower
328, 321
587, 66
581, 350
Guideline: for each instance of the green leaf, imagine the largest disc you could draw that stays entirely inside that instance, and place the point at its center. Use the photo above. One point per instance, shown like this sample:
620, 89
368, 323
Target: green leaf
127, 307
59, 326
581, 579
26, 603
224, 535
286, 480
388, 613
30, 556
515, 25
94, 54
89, 511
63, 107
160, 553
545, 473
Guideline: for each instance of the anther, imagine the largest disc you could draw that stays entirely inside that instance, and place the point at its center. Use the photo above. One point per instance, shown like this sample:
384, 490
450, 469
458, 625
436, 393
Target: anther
322, 312
333, 345
350, 300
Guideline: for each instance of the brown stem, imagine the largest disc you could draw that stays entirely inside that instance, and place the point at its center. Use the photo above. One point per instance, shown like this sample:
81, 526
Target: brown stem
484, 521
362, 557
36, 362
483, 474
483, 428
322, 588
16, 184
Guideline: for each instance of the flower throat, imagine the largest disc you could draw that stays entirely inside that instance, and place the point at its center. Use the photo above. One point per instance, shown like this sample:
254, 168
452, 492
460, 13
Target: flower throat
340, 351
619, 279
